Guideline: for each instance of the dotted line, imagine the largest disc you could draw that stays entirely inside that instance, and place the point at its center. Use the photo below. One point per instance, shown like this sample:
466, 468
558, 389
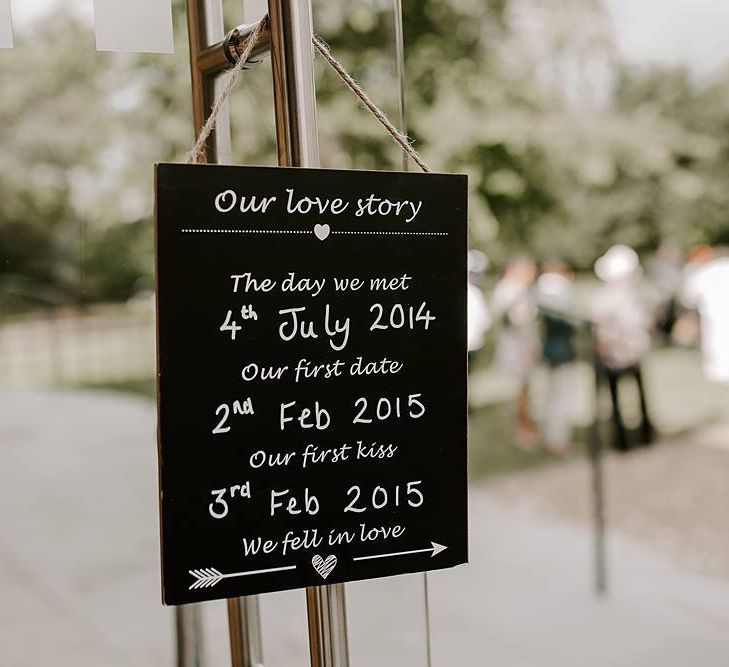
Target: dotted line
305, 231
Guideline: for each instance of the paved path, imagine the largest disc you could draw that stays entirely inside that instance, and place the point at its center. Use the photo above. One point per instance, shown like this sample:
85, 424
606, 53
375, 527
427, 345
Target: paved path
79, 571
674, 496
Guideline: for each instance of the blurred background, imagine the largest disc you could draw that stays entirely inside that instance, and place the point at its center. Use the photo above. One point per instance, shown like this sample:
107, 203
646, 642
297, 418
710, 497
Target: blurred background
595, 134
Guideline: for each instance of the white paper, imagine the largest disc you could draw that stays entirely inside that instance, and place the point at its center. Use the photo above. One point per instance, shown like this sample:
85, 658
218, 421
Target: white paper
134, 25
6, 25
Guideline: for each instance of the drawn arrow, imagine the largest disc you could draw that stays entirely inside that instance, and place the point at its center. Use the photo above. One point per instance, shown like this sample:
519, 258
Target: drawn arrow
209, 576
435, 549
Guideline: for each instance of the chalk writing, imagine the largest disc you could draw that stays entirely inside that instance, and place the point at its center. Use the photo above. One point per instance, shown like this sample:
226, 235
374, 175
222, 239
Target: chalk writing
312, 394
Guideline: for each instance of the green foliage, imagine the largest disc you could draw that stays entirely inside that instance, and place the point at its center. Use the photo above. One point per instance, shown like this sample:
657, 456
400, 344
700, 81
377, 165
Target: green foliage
555, 167
128, 249
560, 160
79, 133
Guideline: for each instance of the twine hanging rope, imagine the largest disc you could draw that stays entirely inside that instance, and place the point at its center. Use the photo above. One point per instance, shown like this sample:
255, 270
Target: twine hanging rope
401, 139
197, 154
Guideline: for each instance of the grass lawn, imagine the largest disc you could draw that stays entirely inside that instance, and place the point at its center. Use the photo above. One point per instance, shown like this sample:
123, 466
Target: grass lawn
147, 388
680, 400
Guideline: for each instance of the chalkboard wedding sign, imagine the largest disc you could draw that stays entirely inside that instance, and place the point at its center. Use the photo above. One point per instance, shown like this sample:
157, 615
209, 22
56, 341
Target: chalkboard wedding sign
312, 377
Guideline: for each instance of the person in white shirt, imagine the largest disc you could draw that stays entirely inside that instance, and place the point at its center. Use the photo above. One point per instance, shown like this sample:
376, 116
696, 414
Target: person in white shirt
706, 288
479, 315
518, 346
621, 328
555, 298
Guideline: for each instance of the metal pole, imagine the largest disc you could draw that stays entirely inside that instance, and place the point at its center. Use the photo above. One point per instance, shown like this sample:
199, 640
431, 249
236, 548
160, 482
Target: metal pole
400, 68
189, 636
598, 487
298, 146
402, 113
205, 27
217, 58
292, 57
244, 624
327, 611
189, 624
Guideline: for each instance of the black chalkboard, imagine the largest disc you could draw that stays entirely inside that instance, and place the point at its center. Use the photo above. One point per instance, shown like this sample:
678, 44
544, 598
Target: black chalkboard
312, 376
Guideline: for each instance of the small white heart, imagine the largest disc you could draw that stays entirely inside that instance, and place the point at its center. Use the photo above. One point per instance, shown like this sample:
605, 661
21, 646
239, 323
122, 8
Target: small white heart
324, 566
321, 232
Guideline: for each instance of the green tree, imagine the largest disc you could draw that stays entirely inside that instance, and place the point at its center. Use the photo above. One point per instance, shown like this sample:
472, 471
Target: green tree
567, 149
79, 135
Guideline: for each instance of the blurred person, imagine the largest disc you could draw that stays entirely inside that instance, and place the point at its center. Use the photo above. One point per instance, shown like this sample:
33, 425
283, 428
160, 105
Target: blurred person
555, 298
686, 329
665, 274
621, 325
517, 345
479, 315
706, 288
